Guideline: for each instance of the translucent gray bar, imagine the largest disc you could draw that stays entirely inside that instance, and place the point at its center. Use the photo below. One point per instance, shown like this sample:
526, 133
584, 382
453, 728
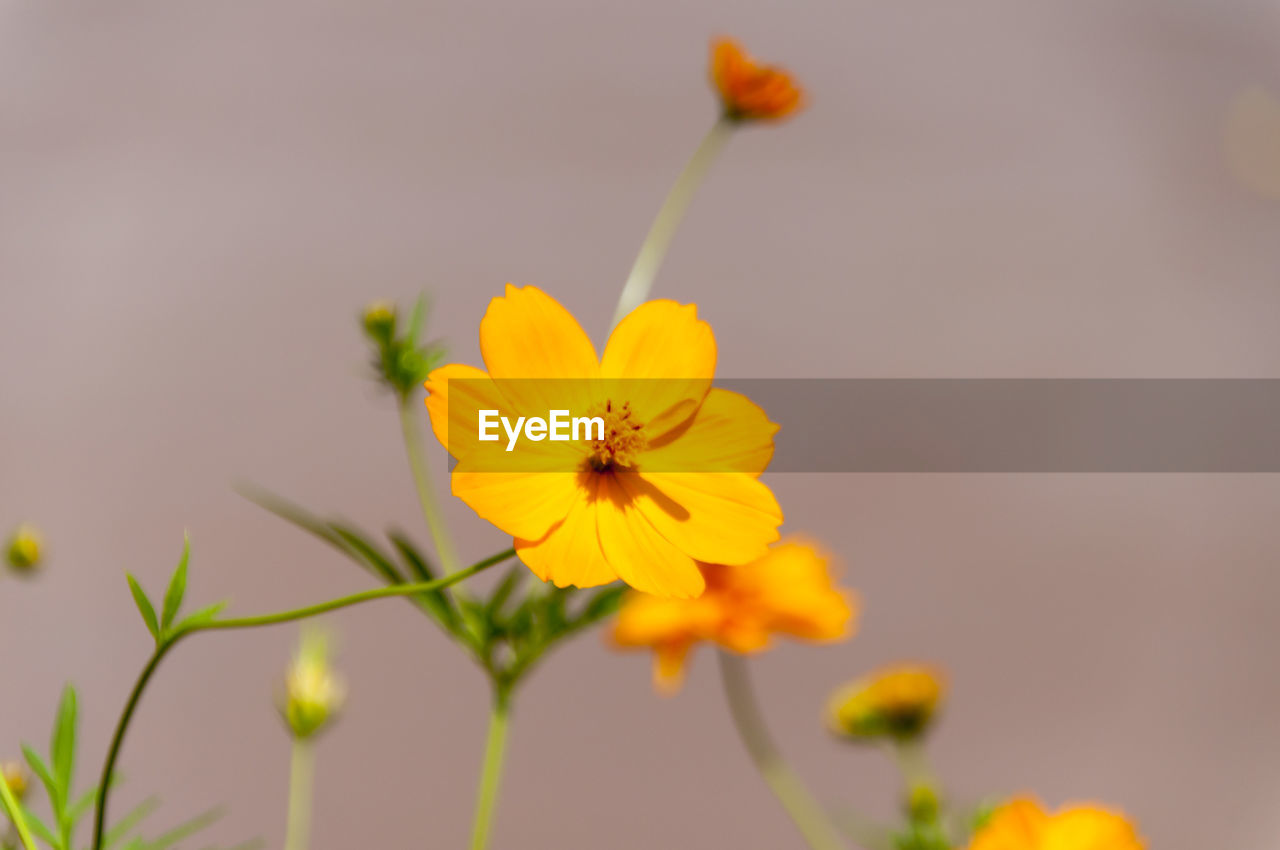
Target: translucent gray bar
1021, 425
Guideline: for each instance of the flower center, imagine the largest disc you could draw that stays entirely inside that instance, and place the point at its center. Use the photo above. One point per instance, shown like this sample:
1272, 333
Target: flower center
624, 437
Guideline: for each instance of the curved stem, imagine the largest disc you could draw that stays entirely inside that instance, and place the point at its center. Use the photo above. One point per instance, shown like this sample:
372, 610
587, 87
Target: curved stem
787, 787
14, 811
171, 640
654, 249
301, 773
491, 772
426, 495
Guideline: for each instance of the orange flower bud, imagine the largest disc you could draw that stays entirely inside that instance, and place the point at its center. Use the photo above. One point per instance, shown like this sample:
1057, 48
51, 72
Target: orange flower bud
748, 90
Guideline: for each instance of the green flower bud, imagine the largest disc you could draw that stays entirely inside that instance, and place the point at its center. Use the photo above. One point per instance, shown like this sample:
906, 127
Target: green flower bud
16, 777
380, 321
24, 549
313, 694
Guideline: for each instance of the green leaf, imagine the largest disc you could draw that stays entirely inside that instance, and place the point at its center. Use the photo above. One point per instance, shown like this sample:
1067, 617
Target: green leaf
503, 592
77, 809
121, 828
184, 830
144, 606
202, 617
62, 749
177, 586
603, 603
416, 320
38, 827
368, 552
436, 602
41, 770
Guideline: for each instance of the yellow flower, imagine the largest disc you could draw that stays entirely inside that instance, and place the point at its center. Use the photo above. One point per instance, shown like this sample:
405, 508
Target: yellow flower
748, 90
787, 592
24, 549
674, 479
1022, 824
16, 777
896, 702
313, 694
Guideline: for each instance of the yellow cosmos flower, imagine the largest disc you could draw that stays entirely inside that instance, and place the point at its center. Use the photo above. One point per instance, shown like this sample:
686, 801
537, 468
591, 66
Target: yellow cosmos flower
787, 592
896, 702
748, 90
674, 478
1022, 824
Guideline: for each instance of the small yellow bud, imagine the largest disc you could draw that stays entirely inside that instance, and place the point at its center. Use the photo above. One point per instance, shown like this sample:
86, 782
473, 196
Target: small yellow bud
923, 804
16, 777
897, 702
380, 320
23, 551
313, 694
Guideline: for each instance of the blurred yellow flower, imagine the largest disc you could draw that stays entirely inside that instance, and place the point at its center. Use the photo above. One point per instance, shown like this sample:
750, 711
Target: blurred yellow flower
674, 478
1022, 824
748, 90
16, 777
896, 702
24, 549
313, 694
787, 592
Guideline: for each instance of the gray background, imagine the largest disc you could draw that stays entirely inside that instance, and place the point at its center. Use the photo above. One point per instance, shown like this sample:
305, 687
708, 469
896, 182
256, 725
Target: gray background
197, 197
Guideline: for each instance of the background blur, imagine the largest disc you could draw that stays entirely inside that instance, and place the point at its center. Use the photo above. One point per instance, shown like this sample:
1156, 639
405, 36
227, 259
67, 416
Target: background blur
196, 199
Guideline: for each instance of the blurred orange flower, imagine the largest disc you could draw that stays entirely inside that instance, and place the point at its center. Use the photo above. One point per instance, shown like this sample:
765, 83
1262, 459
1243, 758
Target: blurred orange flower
787, 592
896, 702
1022, 824
639, 504
751, 91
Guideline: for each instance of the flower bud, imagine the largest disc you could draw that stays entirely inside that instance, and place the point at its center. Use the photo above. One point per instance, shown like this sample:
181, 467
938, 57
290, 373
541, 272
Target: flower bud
750, 91
16, 777
313, 694
897, 703
380, 321
23, 550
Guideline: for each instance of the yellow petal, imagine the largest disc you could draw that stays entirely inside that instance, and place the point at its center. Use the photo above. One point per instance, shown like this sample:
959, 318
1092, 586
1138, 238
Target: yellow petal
1019, 824
665, 356
538, 352
714, 517
570, 554
669, 666
641, 556
1090, 828
456, 413
523, 504
729, 433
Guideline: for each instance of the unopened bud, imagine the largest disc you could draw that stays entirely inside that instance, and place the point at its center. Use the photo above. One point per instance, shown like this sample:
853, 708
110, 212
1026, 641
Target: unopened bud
380, 320
897, 703
313, 693
24, 549
16, 777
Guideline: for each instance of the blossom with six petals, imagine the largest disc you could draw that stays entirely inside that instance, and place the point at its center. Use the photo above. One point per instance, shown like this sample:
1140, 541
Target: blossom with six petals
675, 480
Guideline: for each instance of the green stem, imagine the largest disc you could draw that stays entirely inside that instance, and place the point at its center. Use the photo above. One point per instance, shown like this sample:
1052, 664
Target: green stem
654, 249
787, 787
301, 773
171, 640
15, 814
426, 495
491, 772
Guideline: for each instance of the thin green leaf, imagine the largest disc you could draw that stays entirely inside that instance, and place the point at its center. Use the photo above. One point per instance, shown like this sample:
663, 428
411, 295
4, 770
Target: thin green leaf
145, 607
603, 603
62, 749
41, 770
177, 586
416, 320
368, 552
503, 592
38, 827
184, 830
77, 809
436, 602
121, 828
205, 615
